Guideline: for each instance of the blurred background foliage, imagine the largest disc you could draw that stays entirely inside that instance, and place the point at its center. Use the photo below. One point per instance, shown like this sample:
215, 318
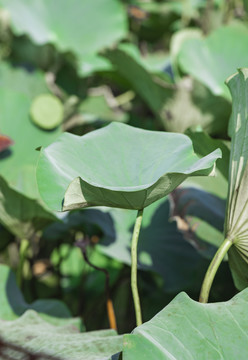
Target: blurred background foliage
157, 65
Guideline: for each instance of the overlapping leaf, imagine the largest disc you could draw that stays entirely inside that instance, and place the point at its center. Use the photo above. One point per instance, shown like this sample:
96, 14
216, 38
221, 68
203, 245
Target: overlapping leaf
117, 166
236, 228
71, 26
18, 188
186, 329
34, 334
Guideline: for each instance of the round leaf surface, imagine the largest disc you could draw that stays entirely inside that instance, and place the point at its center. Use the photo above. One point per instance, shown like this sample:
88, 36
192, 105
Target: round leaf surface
47, 111
117, 166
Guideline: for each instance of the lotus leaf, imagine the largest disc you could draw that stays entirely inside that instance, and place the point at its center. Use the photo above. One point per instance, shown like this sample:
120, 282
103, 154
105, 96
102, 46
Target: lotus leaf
117, 166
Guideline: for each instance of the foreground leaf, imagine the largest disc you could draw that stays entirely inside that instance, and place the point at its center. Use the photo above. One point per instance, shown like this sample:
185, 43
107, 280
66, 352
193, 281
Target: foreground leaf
14, 305
102, 168
186, 329
63, 342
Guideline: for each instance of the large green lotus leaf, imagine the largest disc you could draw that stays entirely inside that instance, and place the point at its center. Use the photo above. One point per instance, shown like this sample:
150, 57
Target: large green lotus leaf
236, 228
21, 215
117, 166
34, 334
180, 265
19, 162
13, 304
186, 329
211, 60
71, 26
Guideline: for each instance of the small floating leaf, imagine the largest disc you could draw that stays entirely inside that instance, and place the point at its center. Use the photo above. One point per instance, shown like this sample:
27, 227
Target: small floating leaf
47, 111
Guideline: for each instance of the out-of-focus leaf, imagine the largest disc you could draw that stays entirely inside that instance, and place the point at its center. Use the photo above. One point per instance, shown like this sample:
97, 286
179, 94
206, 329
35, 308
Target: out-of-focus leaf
200, 217
179, 106
161, 248
47, 111
213, 59
19, 80
177, 40
20, 214
192, 104
64, 342
128, 64
186, 329
89, 64
203, 144
236, 229
103, 169
13, 304
218, 184
71, 26
96, 108
19, 162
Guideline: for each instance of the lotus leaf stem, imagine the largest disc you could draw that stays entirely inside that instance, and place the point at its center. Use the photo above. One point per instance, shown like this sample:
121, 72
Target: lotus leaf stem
24, 245
212, 269
134, 284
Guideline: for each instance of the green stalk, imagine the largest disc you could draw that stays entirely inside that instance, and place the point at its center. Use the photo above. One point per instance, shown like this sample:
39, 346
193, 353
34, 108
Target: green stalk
23, 253
134, 285
212, 269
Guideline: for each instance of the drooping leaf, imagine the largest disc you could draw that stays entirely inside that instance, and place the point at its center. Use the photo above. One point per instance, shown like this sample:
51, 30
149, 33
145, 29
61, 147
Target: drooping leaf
236, 228
128, 64
69, 25
13, 304
186, 329
31, 332
212, 59
117, 166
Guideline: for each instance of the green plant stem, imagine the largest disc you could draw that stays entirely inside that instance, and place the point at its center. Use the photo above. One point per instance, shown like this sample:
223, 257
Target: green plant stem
212, 269
134, 285
23, 253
